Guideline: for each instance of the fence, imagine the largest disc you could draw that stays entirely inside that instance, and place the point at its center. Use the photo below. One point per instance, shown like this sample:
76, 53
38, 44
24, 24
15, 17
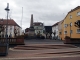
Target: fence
12, 40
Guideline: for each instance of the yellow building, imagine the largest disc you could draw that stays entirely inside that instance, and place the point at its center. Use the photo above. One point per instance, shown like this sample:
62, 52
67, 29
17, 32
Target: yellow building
68, 25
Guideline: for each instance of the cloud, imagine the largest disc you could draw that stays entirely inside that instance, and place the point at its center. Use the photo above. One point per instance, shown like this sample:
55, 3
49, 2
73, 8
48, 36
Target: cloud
47, 11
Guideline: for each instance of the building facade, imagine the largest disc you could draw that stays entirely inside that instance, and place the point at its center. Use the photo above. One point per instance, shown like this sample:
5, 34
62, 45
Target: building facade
55, 31
60, 29
39, 28
68, 25
13, 29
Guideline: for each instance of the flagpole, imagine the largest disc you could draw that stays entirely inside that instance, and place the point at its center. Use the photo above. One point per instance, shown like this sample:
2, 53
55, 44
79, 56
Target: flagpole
22, 17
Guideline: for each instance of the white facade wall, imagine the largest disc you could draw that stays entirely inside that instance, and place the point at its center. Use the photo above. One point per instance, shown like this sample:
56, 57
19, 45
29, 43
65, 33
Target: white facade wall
39, 29
10, 31
20, 30
55, 29
59, 25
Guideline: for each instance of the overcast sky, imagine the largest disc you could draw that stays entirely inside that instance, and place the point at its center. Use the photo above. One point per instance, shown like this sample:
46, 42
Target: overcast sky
46, 11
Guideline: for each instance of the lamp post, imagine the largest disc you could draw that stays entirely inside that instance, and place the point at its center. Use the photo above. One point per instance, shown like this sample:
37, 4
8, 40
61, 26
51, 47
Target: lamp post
7, 9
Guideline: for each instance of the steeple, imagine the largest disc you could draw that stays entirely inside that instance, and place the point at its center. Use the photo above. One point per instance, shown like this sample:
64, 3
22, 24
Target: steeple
31, 23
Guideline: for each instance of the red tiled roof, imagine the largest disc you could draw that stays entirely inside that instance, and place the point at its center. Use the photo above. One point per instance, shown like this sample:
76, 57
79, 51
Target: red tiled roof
10, 22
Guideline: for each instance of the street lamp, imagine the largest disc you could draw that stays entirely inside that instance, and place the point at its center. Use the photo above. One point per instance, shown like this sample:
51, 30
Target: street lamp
7, 9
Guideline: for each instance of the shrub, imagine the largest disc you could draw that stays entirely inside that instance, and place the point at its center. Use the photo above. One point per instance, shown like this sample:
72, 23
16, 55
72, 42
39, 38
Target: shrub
67, 37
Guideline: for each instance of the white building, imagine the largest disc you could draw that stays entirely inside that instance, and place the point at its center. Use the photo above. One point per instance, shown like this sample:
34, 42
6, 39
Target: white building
60, 27
12, 28
39, 27
35, 28
55, 31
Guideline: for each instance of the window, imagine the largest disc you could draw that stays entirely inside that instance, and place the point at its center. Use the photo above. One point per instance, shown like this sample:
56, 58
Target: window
1, 20
36, 27
10, 27
78, 30
65, 32
41, 24
78, 13
60, 33
65, 25
71, 24
71, 31
70, 17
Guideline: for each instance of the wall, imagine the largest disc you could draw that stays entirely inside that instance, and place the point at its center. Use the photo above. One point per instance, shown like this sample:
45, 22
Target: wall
39, 29
67, 20
55, 28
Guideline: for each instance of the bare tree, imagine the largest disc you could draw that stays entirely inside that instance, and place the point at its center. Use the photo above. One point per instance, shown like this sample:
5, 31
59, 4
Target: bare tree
54, 33
1, 29
15, 32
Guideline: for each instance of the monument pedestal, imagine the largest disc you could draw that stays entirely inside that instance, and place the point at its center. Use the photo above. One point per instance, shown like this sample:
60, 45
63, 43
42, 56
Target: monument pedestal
3, 49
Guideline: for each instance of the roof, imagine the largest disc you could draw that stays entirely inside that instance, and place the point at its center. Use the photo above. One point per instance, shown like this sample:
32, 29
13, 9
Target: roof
55, 24
61, 21
10, 22
29, 29
78, 7
37, 23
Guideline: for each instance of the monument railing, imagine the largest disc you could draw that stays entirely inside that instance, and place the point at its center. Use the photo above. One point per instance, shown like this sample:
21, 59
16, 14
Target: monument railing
12, 40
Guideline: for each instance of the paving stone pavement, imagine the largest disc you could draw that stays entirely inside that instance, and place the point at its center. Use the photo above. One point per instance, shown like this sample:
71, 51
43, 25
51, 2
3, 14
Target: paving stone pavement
48, 53
43, 52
